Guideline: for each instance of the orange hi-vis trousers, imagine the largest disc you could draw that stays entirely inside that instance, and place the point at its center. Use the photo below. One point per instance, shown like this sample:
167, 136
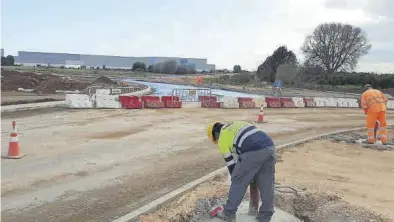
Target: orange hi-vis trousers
372, 117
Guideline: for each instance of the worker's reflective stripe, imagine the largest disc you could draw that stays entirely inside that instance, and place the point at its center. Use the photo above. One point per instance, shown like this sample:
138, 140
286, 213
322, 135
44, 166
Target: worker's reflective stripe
370, 130
14, 139
228, 158
229, 163
242, 134
382, 128
374, 100
226, 155
383, 136
246, 135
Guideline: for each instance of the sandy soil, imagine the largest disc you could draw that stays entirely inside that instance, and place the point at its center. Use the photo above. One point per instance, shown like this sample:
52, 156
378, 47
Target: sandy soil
338, 179
95, 165
362, 177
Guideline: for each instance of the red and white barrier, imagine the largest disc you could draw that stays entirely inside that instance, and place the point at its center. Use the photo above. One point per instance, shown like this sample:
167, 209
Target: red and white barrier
130, 102
228, 102
273, 102
171, 102
287, 102
309, 102
298, 102
259, 102
209, 102
246, 105
151, 102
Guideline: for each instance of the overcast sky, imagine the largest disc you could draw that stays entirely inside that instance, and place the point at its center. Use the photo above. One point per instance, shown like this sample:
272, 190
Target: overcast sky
227, 32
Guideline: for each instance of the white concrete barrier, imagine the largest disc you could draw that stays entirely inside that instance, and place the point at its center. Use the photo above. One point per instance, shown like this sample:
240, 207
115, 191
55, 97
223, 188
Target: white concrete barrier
229, 102
390, 104
108, 101
341, 102
298, 101
103, 91
352, 103
259, 101
320, 102
81, 101
330, 102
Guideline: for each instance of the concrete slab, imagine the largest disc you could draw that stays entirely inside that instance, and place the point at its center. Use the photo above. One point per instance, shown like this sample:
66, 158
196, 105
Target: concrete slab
242, 215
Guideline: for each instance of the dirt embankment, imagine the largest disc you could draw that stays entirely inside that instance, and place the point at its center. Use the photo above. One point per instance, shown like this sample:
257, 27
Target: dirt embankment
44, 86
43, 83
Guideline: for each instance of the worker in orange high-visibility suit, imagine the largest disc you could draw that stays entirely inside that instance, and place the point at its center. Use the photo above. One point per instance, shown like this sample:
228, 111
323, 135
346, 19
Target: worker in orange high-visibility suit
374, 104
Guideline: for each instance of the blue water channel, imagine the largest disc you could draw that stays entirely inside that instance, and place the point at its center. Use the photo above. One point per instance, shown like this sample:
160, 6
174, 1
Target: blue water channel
164, 89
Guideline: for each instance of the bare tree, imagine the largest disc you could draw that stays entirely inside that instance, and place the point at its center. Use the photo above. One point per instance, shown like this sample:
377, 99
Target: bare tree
336, 46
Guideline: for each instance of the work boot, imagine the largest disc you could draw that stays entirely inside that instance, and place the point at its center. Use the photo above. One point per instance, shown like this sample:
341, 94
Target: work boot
220, 213
229, 218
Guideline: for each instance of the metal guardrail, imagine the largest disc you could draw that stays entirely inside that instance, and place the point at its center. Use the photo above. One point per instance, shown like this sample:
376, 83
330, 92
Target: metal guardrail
191, 95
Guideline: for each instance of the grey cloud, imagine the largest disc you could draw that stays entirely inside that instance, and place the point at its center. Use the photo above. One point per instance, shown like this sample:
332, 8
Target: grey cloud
373, 7
381, 34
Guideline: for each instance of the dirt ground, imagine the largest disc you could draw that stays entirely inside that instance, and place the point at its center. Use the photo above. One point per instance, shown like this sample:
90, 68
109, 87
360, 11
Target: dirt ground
360, 176
336, 180
95, 165
11, 97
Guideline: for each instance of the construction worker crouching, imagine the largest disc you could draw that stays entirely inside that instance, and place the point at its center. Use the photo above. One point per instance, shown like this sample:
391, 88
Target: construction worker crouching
374, 104
249, 154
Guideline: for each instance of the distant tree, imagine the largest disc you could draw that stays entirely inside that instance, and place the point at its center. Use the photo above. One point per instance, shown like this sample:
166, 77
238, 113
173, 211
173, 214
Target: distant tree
287, 73
267, 70
237, 69
336, 46
8, 60
169, 67
182, 69
104, 67
150, 68
139, 65
3, 61
241, 79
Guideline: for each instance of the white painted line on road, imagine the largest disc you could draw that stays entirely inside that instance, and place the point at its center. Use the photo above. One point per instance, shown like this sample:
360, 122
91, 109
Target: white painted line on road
170, 196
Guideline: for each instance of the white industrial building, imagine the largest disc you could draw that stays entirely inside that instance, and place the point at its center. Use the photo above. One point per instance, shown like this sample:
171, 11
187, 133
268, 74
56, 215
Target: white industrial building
120, 62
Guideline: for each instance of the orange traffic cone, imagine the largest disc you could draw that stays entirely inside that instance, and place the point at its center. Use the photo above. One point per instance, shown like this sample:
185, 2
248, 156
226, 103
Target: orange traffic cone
260, 118
13, 147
